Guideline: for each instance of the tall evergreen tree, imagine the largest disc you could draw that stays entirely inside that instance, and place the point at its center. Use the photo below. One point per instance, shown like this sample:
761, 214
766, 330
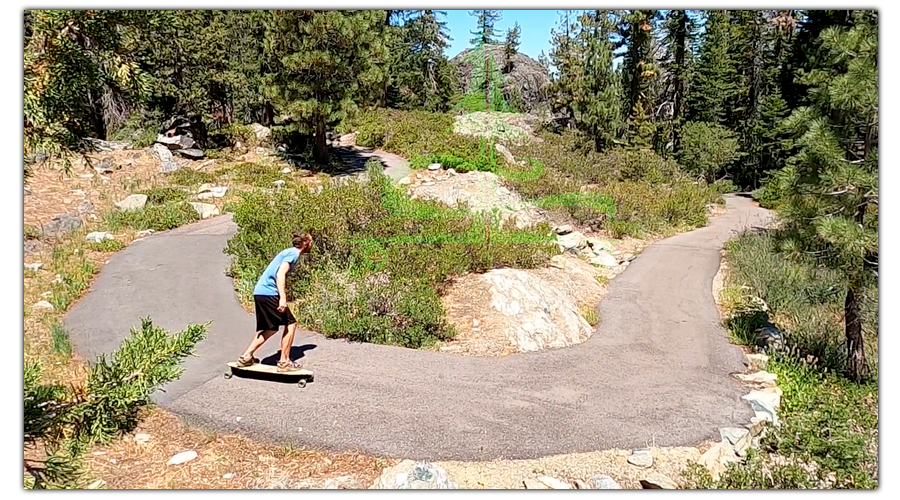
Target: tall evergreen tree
424, 76
329, 58
637, 31
595, 88
831, 206
511, 47
680, 30
485, 26
564, 58
715, 82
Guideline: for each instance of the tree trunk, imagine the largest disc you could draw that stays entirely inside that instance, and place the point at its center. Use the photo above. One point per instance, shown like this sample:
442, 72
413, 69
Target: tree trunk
857, 367
268, 118
680, 55
320, 150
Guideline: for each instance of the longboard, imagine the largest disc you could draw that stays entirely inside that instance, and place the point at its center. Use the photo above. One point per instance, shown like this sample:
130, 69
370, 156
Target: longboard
269, 371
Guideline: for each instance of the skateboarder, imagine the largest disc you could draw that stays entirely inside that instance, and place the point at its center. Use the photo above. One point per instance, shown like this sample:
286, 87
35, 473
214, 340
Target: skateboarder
271, 305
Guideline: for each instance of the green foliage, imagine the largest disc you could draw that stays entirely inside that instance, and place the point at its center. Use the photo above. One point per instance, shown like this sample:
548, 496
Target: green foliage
325, 60
715, 83
379, 260
255, 174
830, 186
156, 217
230, 135
828, 431
423, 77
594, 93
78, 79
107, 245
706, 149
163, 195
59, 341
189, 177
75, 272
66, 420
484, 26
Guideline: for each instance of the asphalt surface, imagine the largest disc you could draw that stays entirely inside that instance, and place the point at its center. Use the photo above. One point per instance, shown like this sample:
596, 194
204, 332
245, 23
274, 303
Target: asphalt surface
655, 372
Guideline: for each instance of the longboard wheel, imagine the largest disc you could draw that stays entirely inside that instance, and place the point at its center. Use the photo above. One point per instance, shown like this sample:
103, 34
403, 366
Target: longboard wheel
227, 375
301, 384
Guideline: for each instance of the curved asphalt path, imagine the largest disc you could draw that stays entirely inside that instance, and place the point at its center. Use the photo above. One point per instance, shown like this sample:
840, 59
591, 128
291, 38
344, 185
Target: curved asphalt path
655, 372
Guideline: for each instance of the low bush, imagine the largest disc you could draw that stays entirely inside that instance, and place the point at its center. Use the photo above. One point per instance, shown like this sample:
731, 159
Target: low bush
64, 421
189, 177
379, 260
828, 431
156, 217
163, 195
229, 135
255, 174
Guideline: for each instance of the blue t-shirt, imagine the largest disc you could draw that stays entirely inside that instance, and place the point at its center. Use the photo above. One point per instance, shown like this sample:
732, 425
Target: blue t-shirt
267, 284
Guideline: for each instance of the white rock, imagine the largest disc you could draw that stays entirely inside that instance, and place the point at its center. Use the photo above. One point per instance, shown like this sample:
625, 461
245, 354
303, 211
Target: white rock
765, 403
554, 483
279, 183
604, 482
183, 457
564, 229
205, 196
534, 484
760, 377
286, 170
410, 475
132, 202
141, 438
205, 187
43, 306
34, 267
434, 166
573, 241
404, 181
144, 233
602, 258
228, 475
98, 236
641, 458
205, 210
658, 481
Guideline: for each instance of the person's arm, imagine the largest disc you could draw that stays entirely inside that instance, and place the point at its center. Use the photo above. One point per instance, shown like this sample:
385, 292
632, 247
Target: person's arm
280, 278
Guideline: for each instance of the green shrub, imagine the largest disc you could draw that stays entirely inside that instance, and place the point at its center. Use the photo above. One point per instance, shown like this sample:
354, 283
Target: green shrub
156, 217
255, 174
59, 340
66, 420
707, 148
163, 195
828, 431
370, 230
108, 245
189, 177
229, 135
32, 232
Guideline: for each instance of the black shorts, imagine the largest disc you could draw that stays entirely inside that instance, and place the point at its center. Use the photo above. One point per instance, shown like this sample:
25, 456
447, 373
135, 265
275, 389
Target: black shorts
267, 315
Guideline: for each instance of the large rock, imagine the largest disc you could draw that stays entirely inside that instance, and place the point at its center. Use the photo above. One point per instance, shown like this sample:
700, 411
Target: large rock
62, 224
480, 191
541, 316
410, 475
205, 210
262, 132
527, 77
132, 202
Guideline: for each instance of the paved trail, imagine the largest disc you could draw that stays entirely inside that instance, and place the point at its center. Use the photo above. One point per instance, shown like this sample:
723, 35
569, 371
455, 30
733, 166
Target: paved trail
655, 372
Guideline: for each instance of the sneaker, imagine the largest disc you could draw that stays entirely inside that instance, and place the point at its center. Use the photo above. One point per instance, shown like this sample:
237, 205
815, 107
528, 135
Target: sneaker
288, 366
244, 362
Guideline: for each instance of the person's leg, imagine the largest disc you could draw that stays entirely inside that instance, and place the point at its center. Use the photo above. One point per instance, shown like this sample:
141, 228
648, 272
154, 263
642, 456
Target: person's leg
258, 340
287, 340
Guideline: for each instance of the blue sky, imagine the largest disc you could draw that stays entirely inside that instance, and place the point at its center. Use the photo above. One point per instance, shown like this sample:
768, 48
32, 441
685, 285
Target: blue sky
535, 25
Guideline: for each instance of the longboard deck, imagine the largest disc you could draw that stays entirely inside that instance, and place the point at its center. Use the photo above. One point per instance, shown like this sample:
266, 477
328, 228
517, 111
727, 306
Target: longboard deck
270, 371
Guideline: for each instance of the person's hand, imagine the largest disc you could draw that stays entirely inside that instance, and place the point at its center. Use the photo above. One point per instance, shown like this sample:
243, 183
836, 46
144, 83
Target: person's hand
282, 304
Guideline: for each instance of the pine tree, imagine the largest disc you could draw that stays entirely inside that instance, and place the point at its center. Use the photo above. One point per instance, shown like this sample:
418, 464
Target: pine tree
831, 205
79, 81
564, 58
636, 31
423, 76
595, 88
680, 33
511, 47
715, 82
328, 59
484, 27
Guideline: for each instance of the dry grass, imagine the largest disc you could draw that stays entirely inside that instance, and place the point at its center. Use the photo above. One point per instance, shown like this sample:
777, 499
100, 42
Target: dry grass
223, 461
